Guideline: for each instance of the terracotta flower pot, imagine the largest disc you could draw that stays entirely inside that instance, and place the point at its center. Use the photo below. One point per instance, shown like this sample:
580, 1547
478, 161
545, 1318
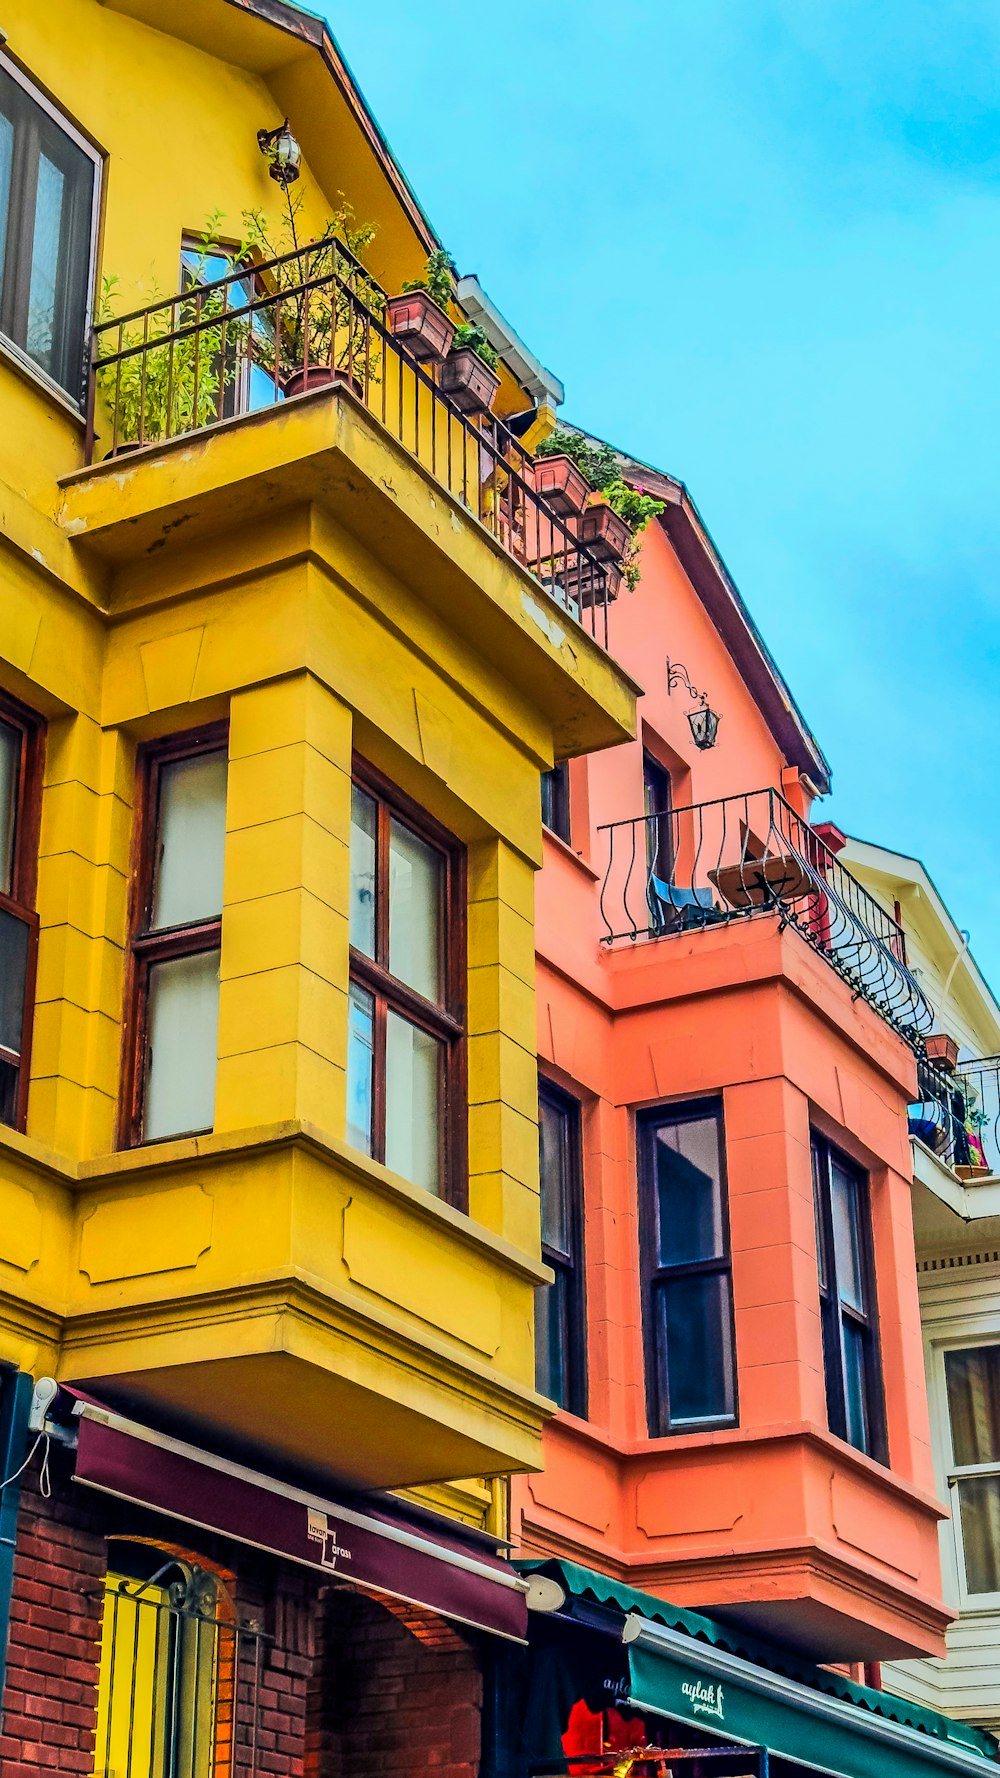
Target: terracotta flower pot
319, 376
977, 1171
942, 1049
605, 534
417, 322
468, 382
561, 484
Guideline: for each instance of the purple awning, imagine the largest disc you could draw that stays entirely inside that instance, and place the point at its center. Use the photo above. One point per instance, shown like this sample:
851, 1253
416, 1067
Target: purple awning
372, 1548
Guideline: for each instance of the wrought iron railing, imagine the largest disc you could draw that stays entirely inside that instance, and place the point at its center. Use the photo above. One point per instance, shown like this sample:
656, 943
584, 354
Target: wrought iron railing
741, 856
957, 1114
252, 339
180, 1680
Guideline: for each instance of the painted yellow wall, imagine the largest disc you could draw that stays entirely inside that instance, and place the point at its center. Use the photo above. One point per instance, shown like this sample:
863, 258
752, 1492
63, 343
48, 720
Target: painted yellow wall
300, 575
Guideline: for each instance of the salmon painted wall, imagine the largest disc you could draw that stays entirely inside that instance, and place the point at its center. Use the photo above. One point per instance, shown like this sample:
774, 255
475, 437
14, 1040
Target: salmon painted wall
774, 1521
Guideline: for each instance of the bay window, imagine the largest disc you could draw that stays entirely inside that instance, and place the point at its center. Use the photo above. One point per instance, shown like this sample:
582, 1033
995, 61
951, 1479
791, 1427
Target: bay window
687, 1283
48, 206
405, 1080
19, 805
972, 1381
560, 1322
172, 1032
855, 1406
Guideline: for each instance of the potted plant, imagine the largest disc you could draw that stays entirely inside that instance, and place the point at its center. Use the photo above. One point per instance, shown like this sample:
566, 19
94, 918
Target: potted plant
468, 374
942, 1050
602, 471
419, 317
561, 483
317, 329
167, 386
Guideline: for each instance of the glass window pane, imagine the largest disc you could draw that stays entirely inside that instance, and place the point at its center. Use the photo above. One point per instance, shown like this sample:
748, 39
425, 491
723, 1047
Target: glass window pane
45, 257
553, 1173
688, 1191
412, 1082
414, 911
846, 1211
695, 1336
6, 165
854, 1386
182, 1046
364, 822
10, 768
979, 1504
552, 1338
818, 1186
973, 1381
14, 935
191, 840
360, 1069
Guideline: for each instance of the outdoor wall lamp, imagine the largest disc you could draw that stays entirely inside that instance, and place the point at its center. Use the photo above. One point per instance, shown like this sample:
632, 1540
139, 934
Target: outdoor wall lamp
703, 721
280, 148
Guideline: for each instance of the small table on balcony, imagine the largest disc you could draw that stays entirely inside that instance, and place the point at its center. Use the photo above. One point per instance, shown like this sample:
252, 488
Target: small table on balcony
763, 882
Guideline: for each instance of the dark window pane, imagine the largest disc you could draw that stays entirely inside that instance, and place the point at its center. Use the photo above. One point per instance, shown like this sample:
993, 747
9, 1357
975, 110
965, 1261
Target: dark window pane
360, 1069
979, 1502
694, 1333
10, 769
973, 1382
555, 801
819, 1176
552, 1338
688, 1191
14, 937
553, 1171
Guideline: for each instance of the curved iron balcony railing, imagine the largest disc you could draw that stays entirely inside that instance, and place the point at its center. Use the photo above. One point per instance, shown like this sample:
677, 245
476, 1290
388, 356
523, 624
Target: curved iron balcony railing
246, 342
957, 1114
741, 856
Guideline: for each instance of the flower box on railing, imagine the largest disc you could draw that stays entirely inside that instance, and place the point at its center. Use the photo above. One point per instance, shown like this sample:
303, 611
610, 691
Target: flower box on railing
604, 532
421, 325
561, 484
468, 382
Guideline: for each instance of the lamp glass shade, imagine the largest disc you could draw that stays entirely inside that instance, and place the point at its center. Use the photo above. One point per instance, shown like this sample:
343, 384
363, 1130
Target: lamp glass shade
286, 158
704, 727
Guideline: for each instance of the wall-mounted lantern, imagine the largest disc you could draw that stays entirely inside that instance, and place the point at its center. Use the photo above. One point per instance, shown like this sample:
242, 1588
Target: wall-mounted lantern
282, 152
703, 721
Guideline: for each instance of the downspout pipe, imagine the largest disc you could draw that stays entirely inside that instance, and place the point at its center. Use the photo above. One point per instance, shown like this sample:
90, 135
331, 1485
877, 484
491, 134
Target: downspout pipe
16, 1389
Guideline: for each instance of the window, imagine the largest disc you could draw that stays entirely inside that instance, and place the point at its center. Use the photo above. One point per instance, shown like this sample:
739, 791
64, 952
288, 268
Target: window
855, 1408
656, 807
48, 193
405, 1066
687, 1287
172, 1036
555, 801
560, 1322
972, 1379
20, 760
178, 1681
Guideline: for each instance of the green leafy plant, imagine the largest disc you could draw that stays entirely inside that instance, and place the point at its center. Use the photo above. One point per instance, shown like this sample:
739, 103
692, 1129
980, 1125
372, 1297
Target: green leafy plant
438, 279
328, 320
167, 385
601, 467
469, 336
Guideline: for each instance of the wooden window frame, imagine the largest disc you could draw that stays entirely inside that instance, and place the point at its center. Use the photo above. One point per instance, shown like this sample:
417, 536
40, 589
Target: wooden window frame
574, 1268
14, 302
20, 902
833, 1311
446, 1021
145, 947
653, 1274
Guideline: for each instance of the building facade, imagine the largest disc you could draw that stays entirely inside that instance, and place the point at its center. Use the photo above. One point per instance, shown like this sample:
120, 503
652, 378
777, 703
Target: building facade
288, 639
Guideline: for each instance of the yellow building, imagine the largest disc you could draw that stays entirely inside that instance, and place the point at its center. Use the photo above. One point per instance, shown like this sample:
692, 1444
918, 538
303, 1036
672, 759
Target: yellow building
287, 639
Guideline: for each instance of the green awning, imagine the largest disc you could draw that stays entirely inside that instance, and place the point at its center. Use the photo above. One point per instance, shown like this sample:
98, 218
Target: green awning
687, 1667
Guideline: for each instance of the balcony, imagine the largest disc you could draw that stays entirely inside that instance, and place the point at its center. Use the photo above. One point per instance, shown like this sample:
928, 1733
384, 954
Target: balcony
261, 338
957, 1116
741, 857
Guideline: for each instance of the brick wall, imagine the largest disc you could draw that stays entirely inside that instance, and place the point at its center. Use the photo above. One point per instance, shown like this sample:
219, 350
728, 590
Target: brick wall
345, 1684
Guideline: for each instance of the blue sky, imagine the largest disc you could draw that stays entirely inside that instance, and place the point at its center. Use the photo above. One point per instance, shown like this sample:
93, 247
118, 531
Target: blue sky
759, 241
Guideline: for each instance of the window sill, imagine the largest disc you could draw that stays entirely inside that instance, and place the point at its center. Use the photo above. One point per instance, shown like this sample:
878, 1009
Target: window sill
566, 851
29, 372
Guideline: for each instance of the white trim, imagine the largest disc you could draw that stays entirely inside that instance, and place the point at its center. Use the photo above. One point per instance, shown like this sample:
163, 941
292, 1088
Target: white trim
540, 383
797, 1696
393, 1534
